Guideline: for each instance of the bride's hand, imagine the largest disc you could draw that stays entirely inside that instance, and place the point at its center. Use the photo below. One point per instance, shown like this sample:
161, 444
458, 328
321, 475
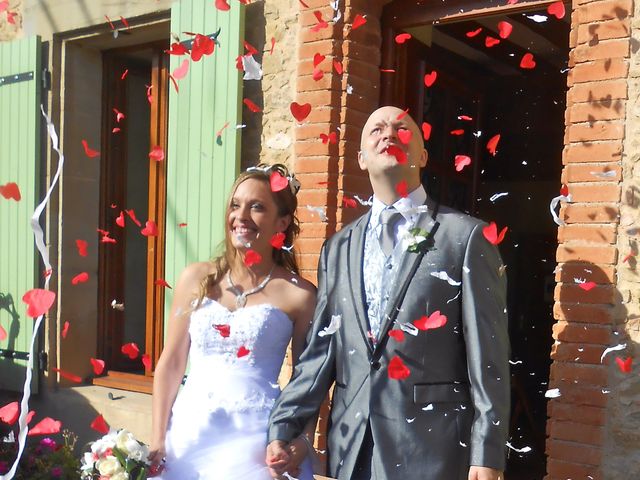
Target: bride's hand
298, 450
277, 458
157, 454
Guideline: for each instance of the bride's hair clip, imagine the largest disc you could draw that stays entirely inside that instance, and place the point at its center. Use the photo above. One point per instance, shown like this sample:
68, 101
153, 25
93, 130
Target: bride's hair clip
294, 183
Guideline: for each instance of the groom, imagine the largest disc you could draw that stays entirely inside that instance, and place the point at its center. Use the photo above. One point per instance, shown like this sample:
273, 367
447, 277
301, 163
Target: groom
411, 325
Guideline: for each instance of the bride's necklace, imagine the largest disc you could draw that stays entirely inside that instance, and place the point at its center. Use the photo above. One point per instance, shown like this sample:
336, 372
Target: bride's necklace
241, 297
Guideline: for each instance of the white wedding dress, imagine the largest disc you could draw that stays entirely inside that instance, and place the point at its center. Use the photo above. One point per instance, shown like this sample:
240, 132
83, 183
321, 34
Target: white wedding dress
218, 424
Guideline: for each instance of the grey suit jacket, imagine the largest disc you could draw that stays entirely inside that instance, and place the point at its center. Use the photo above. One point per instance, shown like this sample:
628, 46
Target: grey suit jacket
453, 409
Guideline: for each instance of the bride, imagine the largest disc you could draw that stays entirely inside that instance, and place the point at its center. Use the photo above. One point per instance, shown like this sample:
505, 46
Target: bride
232, 318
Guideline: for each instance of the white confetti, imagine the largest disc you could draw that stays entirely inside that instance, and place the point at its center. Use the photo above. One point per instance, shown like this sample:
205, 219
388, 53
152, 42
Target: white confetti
496, 196
496, 423
516, 362
519, 450
428, 407
622, 346
349, 89
351, 352
554, 203
457, 295
463, 444
409, 328
366, 203
319, 211
537, 18
607, 174
466, 269
333, 327
410, 420
252, 69
336, 7
442, 275
552, 393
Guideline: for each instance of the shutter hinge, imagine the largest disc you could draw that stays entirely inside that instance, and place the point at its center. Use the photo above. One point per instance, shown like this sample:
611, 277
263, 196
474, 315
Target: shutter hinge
46, 79
43, 361
5, 353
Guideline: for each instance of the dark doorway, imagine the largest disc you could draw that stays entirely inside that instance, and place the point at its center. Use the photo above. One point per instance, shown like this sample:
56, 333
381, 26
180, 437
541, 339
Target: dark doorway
134, 123
481, 91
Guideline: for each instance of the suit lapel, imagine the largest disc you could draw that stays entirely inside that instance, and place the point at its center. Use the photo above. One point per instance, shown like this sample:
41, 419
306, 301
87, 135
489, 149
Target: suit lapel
426, 221
355, 252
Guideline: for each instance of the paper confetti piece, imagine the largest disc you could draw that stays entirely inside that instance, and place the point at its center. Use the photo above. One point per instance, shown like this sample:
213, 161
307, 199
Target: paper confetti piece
333, 327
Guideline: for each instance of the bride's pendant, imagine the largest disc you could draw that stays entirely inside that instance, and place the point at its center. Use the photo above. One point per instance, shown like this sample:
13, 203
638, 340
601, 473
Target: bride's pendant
241, 300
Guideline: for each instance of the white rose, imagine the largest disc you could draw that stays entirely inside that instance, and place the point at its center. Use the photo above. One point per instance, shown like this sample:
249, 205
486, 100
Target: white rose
87, 461
100, 446
120, 476
126, 442
109, 466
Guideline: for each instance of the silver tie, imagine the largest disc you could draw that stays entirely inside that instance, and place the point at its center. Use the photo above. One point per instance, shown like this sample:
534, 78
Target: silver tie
388, 219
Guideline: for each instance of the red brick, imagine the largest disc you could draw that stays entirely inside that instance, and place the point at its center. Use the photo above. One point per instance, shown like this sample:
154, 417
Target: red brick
604, 10
367, 52
581, 213
617, 48
591, 233
315, 165
584, 333
603, 274
308, 261
329, 81
308, 36
603, 30
560, 470
574, 452
576, 432
311, 132
598, 91
317, 99
599, 70
309, 245
572, 293
329, 48
315, 197
600, 314
307, 18
584, 132
361, 69
595, 192
587, 253
577, 413
588, 173
312, 4
317, 180
327, 114
597, 110
313, 229
610, 151
579, 353
313, 148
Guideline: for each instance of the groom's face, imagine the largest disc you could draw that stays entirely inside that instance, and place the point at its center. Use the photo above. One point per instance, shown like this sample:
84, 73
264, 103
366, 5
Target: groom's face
387, 127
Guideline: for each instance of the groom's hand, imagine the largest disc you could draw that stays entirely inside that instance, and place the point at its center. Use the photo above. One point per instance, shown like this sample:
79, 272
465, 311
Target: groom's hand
277, 458
484, 473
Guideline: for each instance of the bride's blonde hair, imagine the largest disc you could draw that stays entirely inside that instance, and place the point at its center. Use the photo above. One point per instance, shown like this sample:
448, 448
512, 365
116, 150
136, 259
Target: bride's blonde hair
287, 203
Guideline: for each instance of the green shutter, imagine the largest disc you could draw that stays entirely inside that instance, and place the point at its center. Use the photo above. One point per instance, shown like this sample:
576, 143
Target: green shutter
200, 172
19, 163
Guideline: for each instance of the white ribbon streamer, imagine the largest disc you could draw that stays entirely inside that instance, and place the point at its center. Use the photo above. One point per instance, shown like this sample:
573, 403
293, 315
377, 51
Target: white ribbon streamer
554, 203
622, 346
39, 239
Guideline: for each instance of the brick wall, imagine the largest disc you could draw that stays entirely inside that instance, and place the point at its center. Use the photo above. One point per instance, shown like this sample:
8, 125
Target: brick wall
581, 432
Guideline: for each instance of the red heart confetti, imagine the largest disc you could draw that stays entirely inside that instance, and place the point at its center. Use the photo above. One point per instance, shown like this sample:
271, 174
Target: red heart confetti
250, 49
119, 115
401, 189
182, 225
465, 118
490, 232
321, 23
224, 330
397, 152
82, 246
146, 361
10, 191
404, 134
181, 72
277, 241
98, 365
278, 182
492, 144
80, 278
124, 21
461, 161
300, 112
4, 5
397, 370
527, 61
131, 350
88, 151
358, 21
99, 425
124, 74
435, 320
491, 41
303, 4
564, 190
402, 114
252, 258
318, 59
331, 138
402, 37
397, 335
39, 301
430, 78
162, 283
251, 106
586, 286
9, 413
457, 131
69, 376
3, 333
202, 45
473, 33
556, 9
243, 352
317, 74
177, 49
46, 426
65, 329
337, 66
426, 130
504, 29
150, 229
624, 365
273, 44
156, 153
120, 220
132, 216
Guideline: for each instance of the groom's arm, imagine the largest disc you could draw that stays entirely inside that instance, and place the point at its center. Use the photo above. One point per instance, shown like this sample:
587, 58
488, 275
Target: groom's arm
484, 317
313, 375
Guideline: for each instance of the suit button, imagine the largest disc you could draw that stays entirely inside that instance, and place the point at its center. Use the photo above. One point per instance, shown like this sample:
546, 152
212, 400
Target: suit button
375, 365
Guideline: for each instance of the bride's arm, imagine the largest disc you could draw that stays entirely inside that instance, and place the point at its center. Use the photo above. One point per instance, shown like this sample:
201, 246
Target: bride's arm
173, 360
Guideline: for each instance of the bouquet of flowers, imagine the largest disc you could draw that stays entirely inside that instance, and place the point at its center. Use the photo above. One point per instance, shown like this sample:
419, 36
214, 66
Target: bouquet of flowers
116, 456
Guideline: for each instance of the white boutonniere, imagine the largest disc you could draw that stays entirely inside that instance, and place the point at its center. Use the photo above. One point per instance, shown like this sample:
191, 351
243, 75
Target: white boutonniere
417, 240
